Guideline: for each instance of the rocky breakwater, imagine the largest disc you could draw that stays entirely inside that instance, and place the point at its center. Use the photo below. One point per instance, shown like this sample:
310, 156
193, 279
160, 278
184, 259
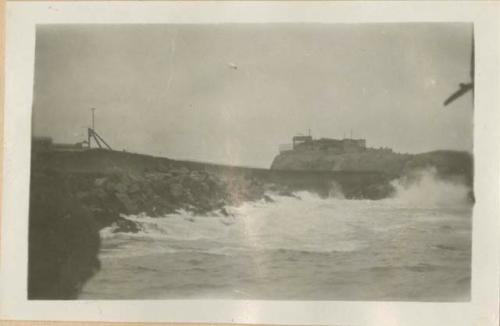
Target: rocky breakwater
68, 208
158, 193
73, 195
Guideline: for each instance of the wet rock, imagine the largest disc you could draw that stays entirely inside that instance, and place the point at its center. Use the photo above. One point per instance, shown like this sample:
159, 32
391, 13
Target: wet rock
160, 211
105, 217
176, 190
223, 211
180, 171
100, 193
128, 204
161, 166
81, 194
133, 188
159, 187
268, 199
197, 176
126, 226
156, 176
99, 182
120, 187
288, 193
377, 191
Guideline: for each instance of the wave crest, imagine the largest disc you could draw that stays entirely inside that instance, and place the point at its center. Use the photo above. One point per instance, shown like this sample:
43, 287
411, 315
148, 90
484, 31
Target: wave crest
424, 188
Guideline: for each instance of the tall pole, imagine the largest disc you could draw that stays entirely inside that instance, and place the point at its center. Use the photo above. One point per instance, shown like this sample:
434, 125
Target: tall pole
91, 130
93, 110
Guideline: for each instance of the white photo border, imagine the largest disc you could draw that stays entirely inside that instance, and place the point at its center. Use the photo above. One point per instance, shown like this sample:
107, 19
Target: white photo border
22, 18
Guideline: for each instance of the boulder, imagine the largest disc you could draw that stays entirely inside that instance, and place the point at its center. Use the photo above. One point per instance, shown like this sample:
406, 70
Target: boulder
180, 171
81, 194
197, 176
99, 182
128, 204
268, 199
100, 193
105, 217
176, 190
120, 187
377, 191
126, 226
133, 188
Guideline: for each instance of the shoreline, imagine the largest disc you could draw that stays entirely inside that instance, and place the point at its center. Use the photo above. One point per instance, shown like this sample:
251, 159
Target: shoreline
73, 195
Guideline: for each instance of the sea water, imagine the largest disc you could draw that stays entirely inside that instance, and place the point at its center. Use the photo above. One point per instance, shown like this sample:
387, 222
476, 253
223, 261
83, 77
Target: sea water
415, 246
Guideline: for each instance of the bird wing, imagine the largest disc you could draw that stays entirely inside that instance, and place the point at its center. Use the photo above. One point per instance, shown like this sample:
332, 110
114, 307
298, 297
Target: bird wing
464, 88
461, 91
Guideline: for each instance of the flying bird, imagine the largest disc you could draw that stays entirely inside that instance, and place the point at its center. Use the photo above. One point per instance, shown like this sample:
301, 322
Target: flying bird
232, 66
464, 87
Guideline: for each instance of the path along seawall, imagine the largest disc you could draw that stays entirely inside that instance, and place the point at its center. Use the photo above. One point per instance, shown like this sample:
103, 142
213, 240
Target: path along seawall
75, 194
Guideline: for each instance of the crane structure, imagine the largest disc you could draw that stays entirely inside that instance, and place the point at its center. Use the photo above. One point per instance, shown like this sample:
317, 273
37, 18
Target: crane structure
93, 135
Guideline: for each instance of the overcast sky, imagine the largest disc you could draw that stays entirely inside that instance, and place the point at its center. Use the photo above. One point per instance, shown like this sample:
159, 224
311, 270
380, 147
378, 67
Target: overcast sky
232, 93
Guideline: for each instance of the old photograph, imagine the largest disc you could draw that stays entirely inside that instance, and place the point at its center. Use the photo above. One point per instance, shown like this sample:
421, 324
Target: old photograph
291, 161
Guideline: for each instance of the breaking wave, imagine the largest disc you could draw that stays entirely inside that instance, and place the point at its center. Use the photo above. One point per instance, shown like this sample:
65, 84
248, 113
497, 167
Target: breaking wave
302, 222
300, 246
424, 188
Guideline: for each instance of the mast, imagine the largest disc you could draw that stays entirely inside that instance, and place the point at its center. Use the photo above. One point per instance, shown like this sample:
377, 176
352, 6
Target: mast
92, 134
93, 111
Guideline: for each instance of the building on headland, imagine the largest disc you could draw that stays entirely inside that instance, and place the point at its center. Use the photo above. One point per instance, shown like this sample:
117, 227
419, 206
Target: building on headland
46, 144
307, 143
329, 154
41, 144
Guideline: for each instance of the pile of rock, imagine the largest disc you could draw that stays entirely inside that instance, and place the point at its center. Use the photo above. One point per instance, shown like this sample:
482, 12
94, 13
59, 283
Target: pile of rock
158, 193
71, 201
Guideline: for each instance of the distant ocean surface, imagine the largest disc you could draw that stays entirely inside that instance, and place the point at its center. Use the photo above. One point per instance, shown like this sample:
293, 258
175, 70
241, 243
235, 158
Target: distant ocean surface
413, 247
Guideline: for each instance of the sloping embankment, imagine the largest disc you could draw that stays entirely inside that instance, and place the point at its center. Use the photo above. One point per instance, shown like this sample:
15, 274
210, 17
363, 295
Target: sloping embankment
355, 184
